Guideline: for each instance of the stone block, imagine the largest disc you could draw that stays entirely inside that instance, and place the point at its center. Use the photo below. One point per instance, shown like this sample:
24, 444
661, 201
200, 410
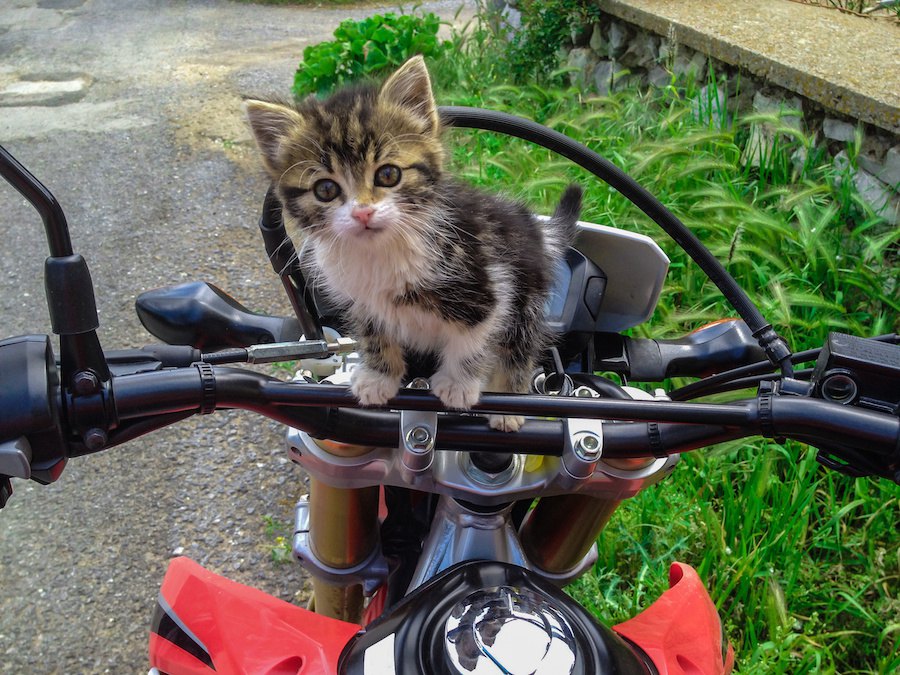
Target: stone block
659, 77
619, 37
838, 130
581, 63
642, 52
513, 18
759, 145
604, 76
44, 92
887, 171
667, 51
876, 194
882, 200
761, 142
789, 109
798, 159
598, 41
690, 65
742, 94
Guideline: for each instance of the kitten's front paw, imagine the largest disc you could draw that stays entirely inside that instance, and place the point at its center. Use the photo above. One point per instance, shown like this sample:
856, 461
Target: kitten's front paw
454, 394
372, 387
506, 422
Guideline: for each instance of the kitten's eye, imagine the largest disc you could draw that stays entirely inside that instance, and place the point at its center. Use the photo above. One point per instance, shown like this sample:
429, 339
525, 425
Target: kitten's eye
326, 190
387, 176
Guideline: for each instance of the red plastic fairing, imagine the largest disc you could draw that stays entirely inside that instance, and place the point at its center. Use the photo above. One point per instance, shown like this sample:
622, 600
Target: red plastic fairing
206, 623
681, 631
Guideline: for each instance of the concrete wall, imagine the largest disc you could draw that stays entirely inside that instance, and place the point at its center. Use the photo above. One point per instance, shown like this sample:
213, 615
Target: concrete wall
615, 52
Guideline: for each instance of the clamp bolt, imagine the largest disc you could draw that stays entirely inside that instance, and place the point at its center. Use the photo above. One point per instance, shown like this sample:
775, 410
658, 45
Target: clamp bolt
418, 437
95, 439
85, 383
588, 447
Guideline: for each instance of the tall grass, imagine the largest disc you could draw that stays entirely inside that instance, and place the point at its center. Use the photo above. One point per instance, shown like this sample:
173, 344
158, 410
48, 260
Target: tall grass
804, 565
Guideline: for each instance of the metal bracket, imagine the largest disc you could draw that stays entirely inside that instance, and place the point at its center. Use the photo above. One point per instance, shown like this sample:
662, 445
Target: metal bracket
584, 445
417, 434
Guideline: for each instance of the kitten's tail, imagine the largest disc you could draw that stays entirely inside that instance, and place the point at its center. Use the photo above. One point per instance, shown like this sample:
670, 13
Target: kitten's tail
561, 228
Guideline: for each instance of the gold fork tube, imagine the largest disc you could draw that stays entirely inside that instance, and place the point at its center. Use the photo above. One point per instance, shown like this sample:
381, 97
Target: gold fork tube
343, 533
559, 531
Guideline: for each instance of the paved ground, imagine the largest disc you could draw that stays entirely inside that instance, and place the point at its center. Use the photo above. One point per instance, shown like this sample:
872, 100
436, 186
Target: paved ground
129, 112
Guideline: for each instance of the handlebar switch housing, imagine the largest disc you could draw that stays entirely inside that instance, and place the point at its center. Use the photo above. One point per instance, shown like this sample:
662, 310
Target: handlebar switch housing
858, 371
29, 399
862, 373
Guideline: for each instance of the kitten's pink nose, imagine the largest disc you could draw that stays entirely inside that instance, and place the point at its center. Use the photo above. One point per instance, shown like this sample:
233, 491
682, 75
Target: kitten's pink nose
363, 213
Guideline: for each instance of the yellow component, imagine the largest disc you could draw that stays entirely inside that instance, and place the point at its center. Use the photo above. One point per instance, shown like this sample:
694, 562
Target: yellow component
533, 462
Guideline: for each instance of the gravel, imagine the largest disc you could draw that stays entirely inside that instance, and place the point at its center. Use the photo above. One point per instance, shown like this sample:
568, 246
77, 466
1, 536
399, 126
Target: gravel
152, 163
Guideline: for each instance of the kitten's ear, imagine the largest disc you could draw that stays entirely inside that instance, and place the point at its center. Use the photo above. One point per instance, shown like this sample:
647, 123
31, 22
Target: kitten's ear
271, 124
410, 87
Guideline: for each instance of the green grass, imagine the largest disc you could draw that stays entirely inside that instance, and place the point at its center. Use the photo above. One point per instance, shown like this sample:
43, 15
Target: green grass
803, 564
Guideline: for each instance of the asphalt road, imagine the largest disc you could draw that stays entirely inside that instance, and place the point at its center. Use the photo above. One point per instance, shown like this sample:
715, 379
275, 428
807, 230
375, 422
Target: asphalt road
130, 113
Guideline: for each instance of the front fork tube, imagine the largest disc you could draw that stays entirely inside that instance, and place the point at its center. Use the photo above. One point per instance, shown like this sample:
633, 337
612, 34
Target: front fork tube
336, 539
343, 535
559, 532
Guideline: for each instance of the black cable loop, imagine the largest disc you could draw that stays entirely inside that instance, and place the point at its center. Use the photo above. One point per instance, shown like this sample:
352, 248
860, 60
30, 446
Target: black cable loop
490, 120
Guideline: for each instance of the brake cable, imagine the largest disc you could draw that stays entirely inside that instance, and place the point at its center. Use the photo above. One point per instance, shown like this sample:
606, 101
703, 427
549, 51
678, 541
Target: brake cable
709, 385
775, 346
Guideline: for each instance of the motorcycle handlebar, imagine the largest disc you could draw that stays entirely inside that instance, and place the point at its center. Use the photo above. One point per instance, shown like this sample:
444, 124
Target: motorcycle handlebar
662, 428
83, 414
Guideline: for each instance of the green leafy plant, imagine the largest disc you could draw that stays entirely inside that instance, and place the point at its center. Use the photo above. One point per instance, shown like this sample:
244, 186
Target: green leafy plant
279, 533
546, 26
365, 48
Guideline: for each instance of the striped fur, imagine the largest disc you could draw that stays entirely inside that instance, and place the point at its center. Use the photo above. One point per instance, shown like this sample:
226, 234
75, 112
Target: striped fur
428, 264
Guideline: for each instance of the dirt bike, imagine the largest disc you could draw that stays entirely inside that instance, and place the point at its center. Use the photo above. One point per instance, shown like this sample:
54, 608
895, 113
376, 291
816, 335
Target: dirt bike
435, 543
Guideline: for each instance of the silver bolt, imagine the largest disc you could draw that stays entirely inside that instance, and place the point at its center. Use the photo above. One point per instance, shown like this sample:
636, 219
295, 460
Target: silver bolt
588, 447
583, 392
419, 383
418, 437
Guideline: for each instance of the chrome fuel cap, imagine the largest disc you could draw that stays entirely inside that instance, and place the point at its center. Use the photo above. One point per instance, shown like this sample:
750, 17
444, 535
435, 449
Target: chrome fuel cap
510, 631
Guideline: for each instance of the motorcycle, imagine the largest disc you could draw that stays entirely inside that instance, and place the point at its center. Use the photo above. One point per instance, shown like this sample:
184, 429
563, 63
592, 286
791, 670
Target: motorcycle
435, 543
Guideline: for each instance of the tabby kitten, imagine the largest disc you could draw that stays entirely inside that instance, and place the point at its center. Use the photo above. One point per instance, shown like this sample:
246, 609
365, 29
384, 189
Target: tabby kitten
421, 261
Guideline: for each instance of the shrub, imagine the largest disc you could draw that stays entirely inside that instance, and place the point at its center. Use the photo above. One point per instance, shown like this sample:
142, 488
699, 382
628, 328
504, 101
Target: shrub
364, 48
547, 25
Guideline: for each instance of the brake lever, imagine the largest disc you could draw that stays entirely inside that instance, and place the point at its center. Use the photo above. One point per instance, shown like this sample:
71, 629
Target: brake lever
854, 464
